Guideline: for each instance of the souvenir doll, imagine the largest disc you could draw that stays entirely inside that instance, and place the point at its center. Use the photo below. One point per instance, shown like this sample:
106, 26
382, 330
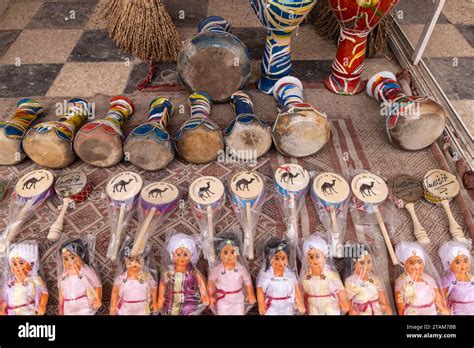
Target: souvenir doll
322, 287
458, 282
229, 280
135, 291
417, 292
80, 289
278, 291
25, 292
365, 290
182, 289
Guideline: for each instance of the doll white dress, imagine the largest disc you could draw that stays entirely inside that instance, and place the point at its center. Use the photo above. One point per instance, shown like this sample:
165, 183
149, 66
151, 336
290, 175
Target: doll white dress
279, 292
418, 297
321, 293
23, 298
364, 294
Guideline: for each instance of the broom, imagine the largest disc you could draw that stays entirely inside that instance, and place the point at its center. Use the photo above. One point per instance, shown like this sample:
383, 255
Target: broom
142, 28
328, 27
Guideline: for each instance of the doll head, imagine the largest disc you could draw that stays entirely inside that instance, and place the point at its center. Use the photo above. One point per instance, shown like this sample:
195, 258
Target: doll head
358, 260
315, 251
182, 250
132, 264
74, 254
23, 259
277, 253
455, 257
227, 246
412, 256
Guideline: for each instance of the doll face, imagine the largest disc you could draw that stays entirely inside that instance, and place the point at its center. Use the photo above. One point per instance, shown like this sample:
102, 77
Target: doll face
181, 257
461, 264
364, 265
414, 265
279, 261
20, 267
134, 263
229, 255
71, 261
316, 259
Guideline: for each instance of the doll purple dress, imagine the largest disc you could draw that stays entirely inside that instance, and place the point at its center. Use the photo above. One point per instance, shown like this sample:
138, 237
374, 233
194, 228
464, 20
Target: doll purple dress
460, 295
182, 295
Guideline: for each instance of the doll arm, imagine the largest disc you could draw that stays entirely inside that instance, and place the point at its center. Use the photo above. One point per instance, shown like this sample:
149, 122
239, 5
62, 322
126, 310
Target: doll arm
384, 303
202, 288
97, 301
351, 309
211, 288
161, 295
61, 302
250, 294
154, 300
441, 302
399, 302
261, 301
114, 300
343, 300
3, 308
299, 299
43, 303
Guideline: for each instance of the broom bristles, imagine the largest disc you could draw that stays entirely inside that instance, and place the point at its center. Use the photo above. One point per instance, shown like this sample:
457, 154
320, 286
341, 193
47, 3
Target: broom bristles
143, 28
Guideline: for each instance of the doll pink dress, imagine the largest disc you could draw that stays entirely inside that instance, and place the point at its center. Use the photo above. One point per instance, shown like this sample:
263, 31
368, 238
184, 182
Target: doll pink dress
460, 295
230, 284
135, 295
78, 290
24, 299
321, 293
279, 292
418, 297
364, 294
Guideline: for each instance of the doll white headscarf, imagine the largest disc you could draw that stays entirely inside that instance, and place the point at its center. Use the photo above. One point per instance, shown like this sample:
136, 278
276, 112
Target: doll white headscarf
28, 252
405, 250
315, 242
181, 240
450, 250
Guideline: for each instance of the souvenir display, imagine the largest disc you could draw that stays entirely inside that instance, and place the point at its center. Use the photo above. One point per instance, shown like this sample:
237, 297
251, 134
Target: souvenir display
280, 18
212, 56
99, 142
330, 194
247, 136
157, 201
149, 145
440, 187
207, 198
72, 188
357, 19
182, 288
122, 192
80, 288
278, 291
49, 144
12, 131
458, 281
229, 285
246, 194
300, 129
371, 191
418, 289
134, 292
407, 191
31, 191
364, 287
412, 122
322, 287
24, 292
291, 185
199, 140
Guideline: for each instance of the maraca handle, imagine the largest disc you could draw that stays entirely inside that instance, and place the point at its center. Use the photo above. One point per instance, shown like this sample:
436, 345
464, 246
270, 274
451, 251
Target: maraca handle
386, 237
250, 232
139, 244
418, 229
57, 227
118, 233
454, 228
210, 236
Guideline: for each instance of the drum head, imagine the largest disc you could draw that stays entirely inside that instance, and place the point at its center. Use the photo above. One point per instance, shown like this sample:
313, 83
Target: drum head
331, 188
440, 184
247, 185
406, 187
159, 194
369, 188
70, 184
34, 183
124, 186
292, 177
206, 190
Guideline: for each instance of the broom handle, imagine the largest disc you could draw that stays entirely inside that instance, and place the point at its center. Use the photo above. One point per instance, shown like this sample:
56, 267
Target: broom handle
210, 237
118, 232
250, 236
139, 244
385, 235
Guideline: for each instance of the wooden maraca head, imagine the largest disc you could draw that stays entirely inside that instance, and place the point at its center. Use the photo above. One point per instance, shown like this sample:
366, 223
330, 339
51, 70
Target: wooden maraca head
330, 188
369, 188
163, 196
247, 186
440, 185
407, 188
34, 184
206, 191
73, 185
124, 187
291, 179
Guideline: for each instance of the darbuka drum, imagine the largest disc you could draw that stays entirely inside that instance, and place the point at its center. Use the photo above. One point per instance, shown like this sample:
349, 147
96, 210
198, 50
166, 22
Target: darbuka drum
214, 60
412, 122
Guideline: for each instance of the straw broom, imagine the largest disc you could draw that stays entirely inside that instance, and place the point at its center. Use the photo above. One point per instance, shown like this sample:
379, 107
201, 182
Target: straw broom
142, 28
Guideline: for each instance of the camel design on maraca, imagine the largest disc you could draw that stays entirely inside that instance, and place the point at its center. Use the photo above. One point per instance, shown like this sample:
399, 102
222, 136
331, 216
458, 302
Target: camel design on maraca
245, 183
205, 192
328, 188
155, 192
366, 189
121, 185
31, 183
288, 177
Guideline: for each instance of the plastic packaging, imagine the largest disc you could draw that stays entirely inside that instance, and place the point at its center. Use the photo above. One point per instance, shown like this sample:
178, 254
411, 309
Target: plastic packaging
322, 287
79, 285
418, 290
24, 291
229, 285
182, 288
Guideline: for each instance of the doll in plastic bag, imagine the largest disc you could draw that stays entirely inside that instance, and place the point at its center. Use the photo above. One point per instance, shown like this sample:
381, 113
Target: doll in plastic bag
278, 291
24, 292
229, 284
182, 289
365, 289
135, 292
323, 290
416, 291
458, 281
80, 289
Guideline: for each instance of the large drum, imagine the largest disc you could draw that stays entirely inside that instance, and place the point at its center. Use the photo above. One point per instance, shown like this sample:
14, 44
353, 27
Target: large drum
214, 60
280, 18
357, 18
412, 122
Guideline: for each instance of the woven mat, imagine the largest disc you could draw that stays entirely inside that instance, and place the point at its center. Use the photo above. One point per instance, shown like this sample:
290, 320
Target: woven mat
358, 141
